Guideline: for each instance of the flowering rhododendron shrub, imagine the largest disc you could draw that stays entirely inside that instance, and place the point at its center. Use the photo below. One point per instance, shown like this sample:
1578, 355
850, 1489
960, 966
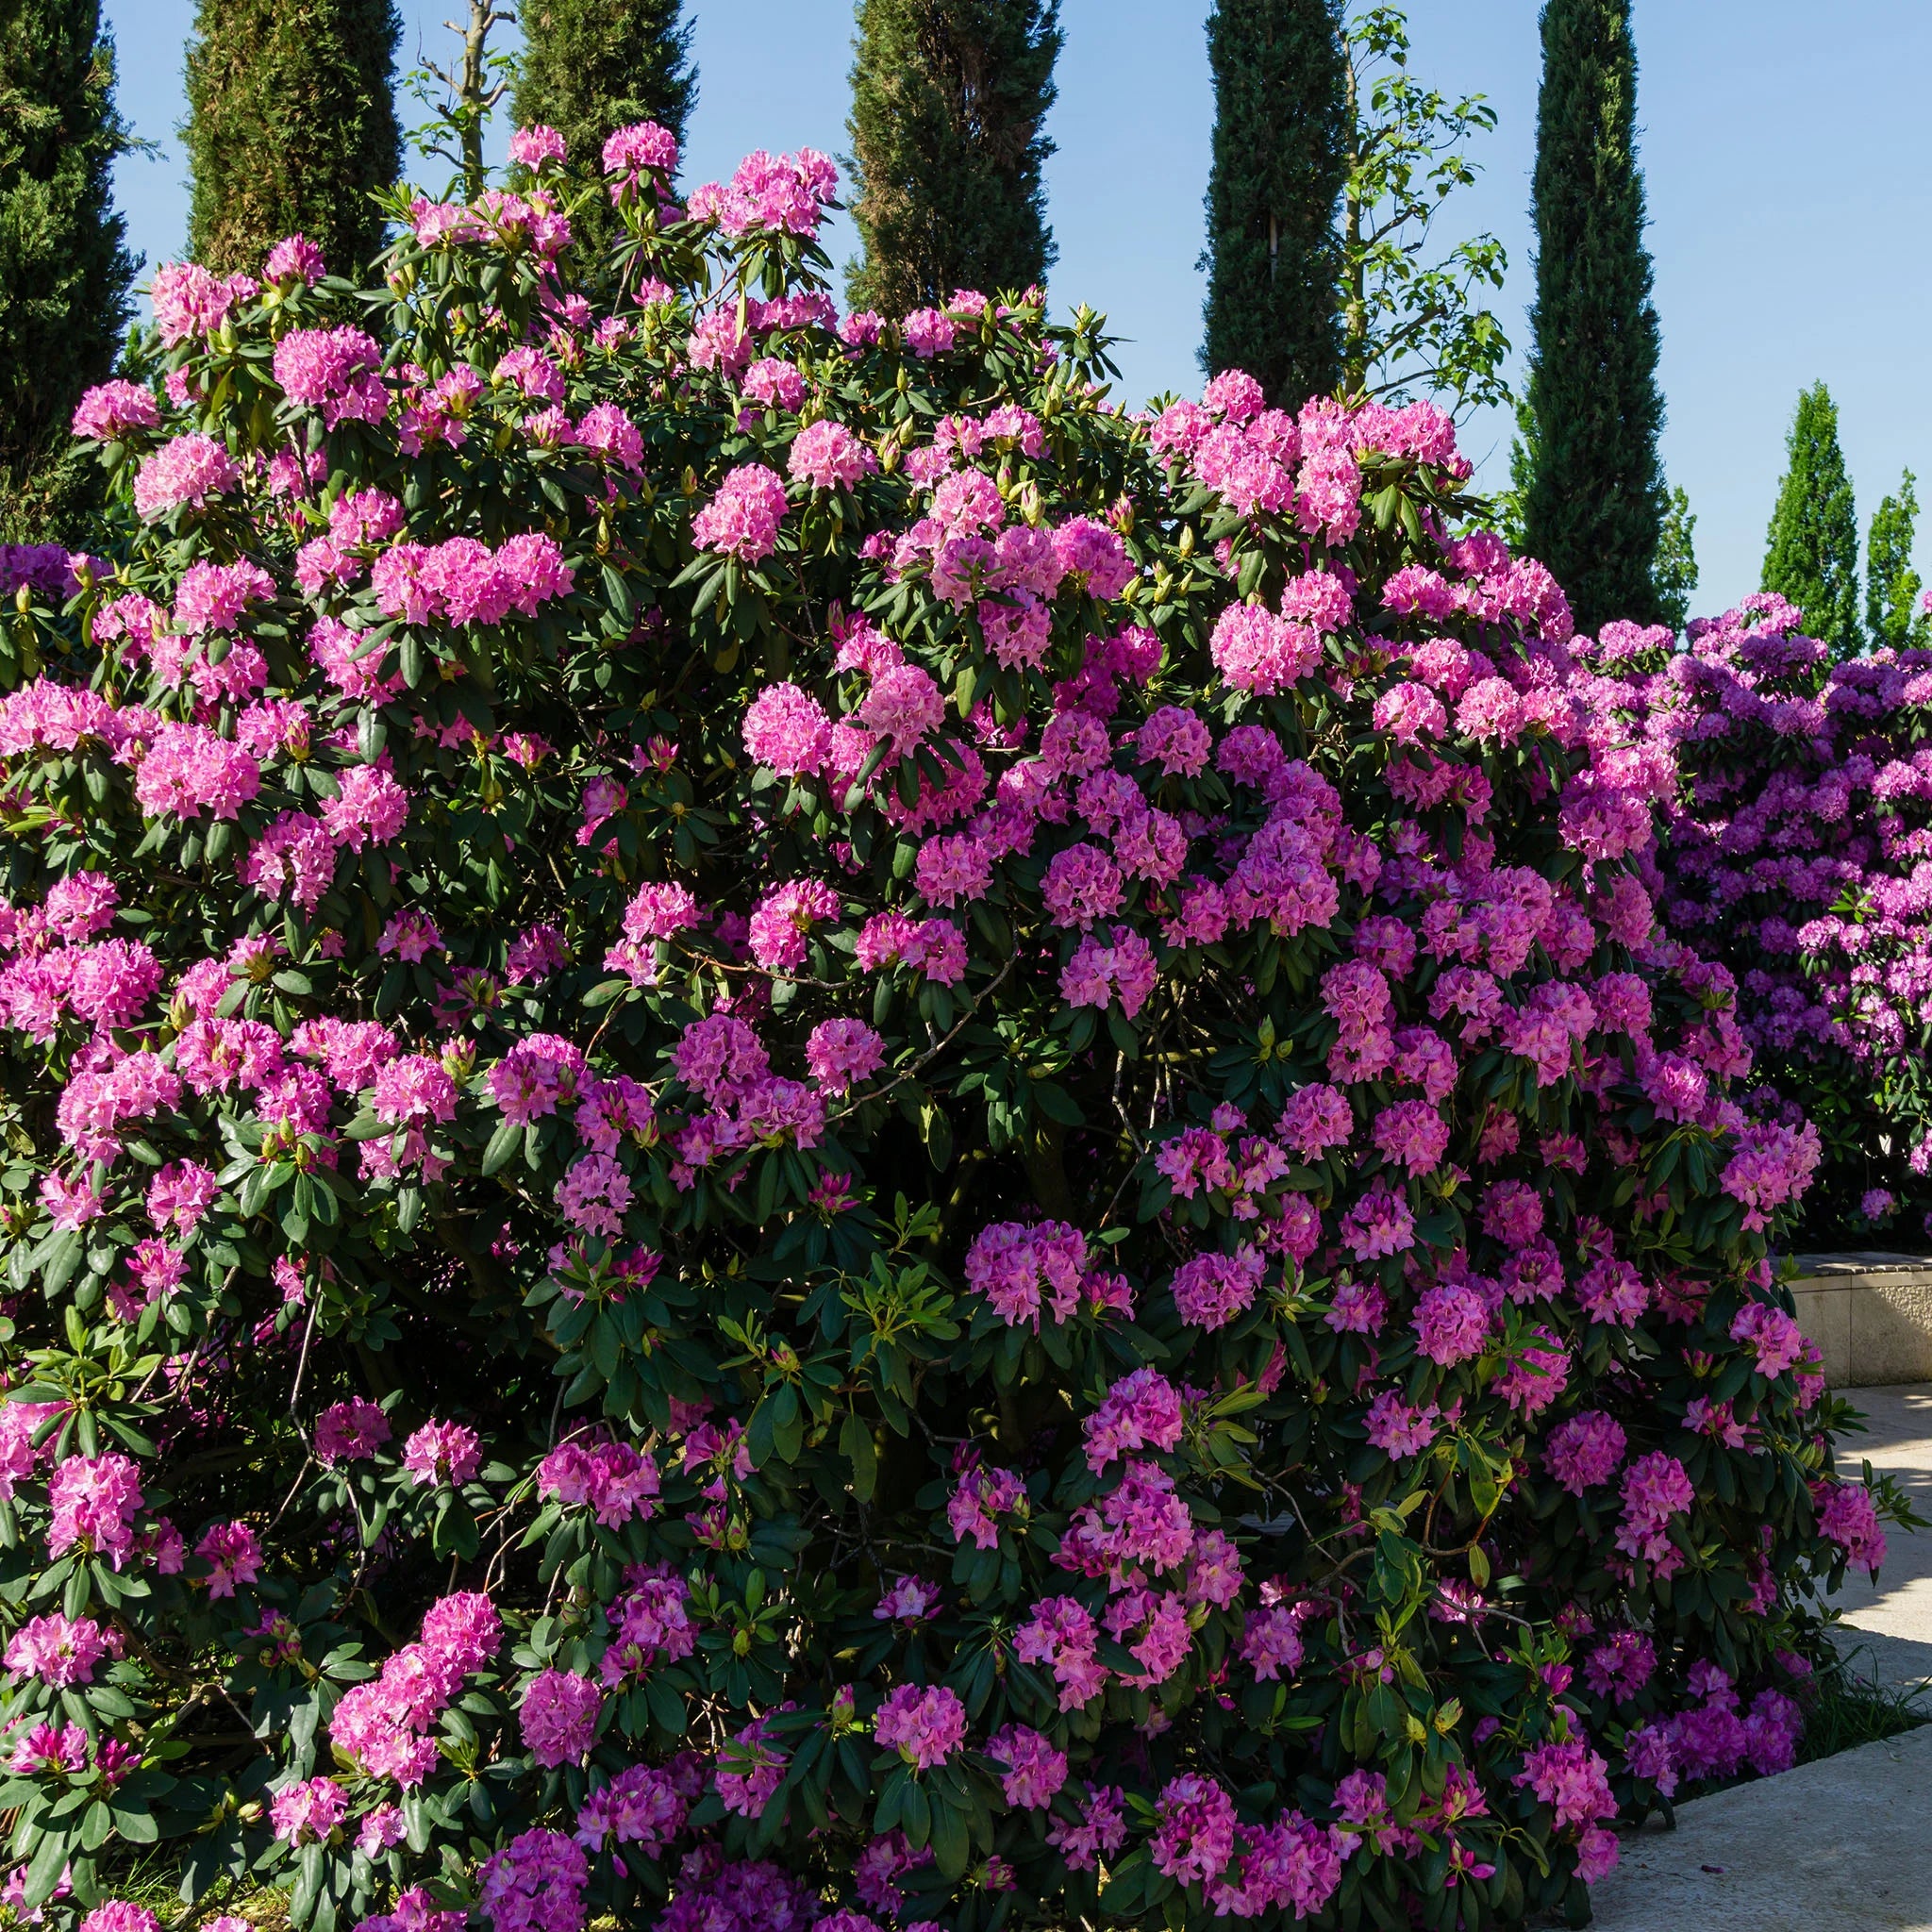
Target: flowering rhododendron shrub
798, 1133
1798, 851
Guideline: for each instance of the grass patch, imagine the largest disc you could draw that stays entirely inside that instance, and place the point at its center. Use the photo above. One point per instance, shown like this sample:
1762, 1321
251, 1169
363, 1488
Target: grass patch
1850, 1712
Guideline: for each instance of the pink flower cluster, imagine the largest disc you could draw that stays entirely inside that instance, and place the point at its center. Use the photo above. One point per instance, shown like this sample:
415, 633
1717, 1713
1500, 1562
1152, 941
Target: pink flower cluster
462, 580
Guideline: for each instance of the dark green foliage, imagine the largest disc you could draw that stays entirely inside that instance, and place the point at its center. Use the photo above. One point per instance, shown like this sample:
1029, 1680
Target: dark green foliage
1811, 552
1675, 573
291, 126
64, 269
591, 66
1595, 506
1280, 159
949, 105
1892, 585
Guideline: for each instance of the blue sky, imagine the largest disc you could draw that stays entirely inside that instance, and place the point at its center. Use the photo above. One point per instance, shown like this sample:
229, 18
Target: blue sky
1782, 146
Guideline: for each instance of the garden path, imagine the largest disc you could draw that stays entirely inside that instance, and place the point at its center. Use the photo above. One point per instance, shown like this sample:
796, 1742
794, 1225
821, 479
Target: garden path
1838, 1845
1890, 1633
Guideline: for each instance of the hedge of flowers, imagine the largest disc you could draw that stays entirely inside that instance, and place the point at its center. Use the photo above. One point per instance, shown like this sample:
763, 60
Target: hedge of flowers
799, 1133
1799, 852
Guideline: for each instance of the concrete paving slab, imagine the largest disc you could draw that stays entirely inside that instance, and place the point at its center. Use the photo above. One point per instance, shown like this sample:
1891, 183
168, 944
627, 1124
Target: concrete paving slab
1837, 1846
1890, 1623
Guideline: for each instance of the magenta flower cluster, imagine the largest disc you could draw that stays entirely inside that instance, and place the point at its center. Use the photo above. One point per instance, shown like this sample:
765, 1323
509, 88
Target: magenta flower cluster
808, 1134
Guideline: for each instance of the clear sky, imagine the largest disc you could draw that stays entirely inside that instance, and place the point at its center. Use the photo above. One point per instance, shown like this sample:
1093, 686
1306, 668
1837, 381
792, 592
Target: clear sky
1783, 147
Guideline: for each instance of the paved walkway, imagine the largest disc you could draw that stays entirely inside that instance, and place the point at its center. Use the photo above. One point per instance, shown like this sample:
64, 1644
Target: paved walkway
1839, 1846
1836, 1846
1889, 1631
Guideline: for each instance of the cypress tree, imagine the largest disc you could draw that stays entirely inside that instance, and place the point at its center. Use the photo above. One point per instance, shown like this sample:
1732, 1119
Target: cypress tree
1595, 503
65, 271
949, 105
1892, 585
591, 66
291, 126
1811, 555
1280, 159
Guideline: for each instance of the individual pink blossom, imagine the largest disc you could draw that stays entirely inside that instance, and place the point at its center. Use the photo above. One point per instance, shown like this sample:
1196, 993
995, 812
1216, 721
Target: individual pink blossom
1850, 1519
843, 1053
308, 1812
93, 1500
1399, 1429
1035, 1770
910, 1600
108, 411
350, 1431
1775, 1338
533, 148
557, 1717
749, 1769
1656, 1487
1211, 1289
925, 1725
1571, 1779
1142, 1410
742, 520
1193, 1829
827, 455
56, 1650
983, 1498
441, 1456
233, 1556
1585, 1451
294, 258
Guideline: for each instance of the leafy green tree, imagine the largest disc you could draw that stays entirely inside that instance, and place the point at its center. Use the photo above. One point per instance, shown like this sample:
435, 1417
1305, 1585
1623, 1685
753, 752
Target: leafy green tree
65, 272
949, 105
1280, 160
291, 127
1674, 574
591, 66
462, 94
1595, 503
1812, 554
1412, 325
1893, 615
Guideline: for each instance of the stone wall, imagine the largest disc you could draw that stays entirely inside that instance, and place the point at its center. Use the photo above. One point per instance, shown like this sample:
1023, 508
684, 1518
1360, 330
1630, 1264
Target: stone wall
1871, 1315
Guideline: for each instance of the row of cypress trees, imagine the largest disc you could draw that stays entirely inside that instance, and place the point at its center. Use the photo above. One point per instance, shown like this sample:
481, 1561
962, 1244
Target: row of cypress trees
1593, 502
292, 110
292, 122
1811, 551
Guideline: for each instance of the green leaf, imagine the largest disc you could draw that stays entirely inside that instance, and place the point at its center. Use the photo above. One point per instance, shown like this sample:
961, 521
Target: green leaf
508, 1137
855, 1445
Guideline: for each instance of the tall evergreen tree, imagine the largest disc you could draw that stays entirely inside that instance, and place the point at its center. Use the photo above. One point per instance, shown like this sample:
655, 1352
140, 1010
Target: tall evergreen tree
292, 126
1280, 159
1812, 554
1595, 505
591, 66
949, 105
65, 271
1893, 615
